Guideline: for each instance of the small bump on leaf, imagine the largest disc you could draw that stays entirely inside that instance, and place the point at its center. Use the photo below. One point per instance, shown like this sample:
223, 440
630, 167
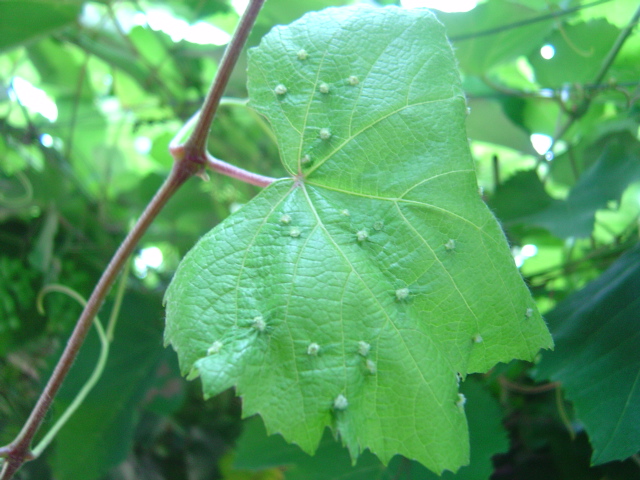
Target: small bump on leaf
324, 87
259, 324
477, 338
294, 232
528, 312
353, 80
313, 349
363, 348
280, 89
302, 54
285, 219
461, 401
378, 226
325, 134
215, 347
402, 293
450, 245
345, 212
362, 235
371, 366
340, 403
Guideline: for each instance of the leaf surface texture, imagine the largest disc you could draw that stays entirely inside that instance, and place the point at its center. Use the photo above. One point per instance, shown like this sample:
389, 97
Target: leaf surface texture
352, 294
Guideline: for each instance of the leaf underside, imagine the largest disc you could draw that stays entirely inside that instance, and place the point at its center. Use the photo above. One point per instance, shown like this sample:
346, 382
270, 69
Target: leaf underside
352, 294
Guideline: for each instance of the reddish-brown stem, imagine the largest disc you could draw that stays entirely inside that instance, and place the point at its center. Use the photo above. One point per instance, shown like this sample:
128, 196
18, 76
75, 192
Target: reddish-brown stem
190, 159
19, 449
237, 172
198, 138
528, 389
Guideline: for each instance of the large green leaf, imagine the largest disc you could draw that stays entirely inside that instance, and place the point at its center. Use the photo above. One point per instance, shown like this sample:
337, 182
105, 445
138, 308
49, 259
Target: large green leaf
597, 358
353, 293
616, 167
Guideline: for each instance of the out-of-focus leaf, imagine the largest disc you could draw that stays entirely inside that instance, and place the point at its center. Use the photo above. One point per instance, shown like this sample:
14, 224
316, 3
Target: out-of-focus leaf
193, 10
62, 74
499, 129
617, 166
99, 434
537, 4
541, 116
616, 12
83, 129
597, 332
152, 48
17, 298
257, 451
22, 21
579, 52
481, 42
113, 51
42, 253
520, 196
570, 165
166, 392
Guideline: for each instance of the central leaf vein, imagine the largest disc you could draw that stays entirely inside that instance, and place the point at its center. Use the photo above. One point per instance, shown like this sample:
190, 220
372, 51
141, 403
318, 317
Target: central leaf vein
377, 301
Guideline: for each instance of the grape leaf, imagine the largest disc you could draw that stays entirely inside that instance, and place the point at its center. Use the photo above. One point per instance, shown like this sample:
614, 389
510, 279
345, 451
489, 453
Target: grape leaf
354, 293
597, 359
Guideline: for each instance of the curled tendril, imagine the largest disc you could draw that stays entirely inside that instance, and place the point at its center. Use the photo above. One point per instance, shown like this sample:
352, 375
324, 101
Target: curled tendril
24, 199
105, 340
91, 381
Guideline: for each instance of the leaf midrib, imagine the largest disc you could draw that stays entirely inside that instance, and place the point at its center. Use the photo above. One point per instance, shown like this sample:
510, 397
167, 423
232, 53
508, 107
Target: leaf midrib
375, 298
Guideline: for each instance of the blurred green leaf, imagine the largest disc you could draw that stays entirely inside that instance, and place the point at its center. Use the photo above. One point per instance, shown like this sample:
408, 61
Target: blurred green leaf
193, 10
520, 196
616, 167
493, 33
99, 434
22, 21
62, 74
499, 130
42, 253
596, 358
579, 51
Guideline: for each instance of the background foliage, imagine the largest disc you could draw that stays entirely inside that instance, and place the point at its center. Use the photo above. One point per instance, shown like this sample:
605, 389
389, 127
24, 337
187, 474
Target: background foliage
92, 92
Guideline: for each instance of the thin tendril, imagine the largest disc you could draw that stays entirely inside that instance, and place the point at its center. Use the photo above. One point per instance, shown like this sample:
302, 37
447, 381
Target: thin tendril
105, 340
24, 199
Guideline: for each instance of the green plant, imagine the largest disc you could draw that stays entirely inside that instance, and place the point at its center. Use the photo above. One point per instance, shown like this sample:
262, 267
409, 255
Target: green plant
362, 134
357, 292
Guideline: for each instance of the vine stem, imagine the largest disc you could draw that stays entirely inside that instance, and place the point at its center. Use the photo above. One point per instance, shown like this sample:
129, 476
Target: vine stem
582, 108
189, 159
